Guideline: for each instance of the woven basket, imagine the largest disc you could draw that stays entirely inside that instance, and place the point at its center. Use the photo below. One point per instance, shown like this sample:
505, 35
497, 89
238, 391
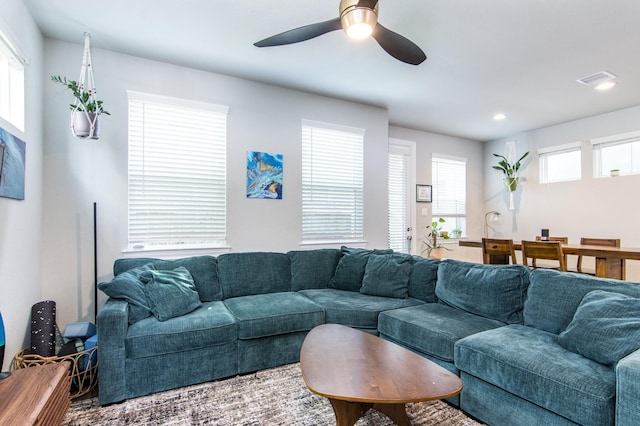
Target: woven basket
84, 367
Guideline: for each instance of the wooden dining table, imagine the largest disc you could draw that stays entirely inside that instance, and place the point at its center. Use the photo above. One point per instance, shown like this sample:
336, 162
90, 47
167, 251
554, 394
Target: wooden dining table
610, 261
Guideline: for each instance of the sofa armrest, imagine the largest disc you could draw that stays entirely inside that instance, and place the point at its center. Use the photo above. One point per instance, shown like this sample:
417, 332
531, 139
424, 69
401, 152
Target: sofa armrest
112, 323
628, 390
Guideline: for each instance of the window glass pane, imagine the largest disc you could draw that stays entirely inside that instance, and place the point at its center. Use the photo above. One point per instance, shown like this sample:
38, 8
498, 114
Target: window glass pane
560, 166
398, 170
177, 173
622, 156
332, 184
11, 87
449, 178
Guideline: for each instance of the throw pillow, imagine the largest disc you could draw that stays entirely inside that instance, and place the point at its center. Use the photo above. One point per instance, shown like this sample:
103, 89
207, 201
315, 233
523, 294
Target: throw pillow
422, 281
350, 269
129, 287
170, 293
387, 275
605, 327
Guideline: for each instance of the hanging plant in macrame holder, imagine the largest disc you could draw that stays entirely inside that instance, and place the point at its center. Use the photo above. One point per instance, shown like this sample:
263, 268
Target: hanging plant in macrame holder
86, 108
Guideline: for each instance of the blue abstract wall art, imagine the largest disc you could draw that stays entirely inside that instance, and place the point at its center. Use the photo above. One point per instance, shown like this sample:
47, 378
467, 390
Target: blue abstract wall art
12, 166
264, 175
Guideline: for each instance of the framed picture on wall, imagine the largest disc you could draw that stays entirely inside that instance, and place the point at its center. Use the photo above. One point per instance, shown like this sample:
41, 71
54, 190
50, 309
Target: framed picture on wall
423, 193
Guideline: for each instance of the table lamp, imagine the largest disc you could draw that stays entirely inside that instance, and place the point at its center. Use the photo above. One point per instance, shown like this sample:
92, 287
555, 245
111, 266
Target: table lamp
494, 217
2, 375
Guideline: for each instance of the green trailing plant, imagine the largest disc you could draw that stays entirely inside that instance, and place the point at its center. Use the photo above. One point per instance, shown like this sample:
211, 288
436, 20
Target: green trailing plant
509, 170
85, 103
430, 240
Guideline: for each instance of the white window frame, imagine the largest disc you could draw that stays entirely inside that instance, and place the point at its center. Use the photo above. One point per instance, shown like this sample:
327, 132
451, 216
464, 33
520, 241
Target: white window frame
405, 212
12, 79
544, 154
177, 175
332, 185
598, 144
439, 206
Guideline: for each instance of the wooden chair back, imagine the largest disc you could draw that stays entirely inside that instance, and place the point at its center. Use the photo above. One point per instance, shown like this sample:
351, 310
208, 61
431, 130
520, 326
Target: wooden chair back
497, 251
547, 250
562, 240
606, 242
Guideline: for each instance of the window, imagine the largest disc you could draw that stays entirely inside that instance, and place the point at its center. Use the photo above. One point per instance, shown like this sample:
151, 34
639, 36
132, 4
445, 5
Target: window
560, 163
621, 152
449, 180
177, 173
12, 63
332, 183
400, 183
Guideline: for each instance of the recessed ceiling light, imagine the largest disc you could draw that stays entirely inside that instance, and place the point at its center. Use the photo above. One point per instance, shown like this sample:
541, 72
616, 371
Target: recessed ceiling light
499, 117
605, 86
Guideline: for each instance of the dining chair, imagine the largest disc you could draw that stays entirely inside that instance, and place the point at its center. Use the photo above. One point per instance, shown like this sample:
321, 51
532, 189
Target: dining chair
606, 242
497, 251
546, 250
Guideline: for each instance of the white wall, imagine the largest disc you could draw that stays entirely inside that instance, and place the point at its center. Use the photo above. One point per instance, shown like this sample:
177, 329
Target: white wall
601, 208
20, 221
261, 117
432, 143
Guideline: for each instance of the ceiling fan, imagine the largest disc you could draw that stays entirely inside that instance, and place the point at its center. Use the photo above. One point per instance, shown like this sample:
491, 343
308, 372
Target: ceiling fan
359, 19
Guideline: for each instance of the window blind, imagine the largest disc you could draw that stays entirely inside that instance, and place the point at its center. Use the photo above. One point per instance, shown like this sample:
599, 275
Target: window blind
398, 177
332, 182
449, 179
177, 172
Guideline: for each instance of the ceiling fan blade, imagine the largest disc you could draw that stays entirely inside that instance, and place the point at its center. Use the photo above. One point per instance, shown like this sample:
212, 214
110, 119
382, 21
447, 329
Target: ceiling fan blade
367, 3
301, 34
398, 46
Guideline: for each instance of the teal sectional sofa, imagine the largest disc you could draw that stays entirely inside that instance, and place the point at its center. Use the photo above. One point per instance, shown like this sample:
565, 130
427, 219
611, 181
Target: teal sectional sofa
539, 347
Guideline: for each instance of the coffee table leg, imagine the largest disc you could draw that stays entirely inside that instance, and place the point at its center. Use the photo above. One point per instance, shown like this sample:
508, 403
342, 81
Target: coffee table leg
396, 412
348, 413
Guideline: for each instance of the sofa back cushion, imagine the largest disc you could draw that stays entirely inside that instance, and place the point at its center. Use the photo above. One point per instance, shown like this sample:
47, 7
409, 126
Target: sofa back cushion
492, 291
311, 269
555, 296
422, 280
243, 274
203, 269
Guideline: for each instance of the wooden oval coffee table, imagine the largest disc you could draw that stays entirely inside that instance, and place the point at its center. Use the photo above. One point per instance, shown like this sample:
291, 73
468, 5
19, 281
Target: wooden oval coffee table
358, 371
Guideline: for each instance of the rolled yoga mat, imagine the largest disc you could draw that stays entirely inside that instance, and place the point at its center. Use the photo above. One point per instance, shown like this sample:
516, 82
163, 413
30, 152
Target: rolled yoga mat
43, 328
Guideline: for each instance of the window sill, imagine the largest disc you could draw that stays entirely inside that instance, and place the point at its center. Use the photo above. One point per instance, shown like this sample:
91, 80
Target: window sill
175, 252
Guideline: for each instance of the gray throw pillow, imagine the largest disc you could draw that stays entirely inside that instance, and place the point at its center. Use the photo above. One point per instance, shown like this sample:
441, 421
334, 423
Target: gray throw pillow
129, 287
351, 267
387, 275
170, 293
605, 327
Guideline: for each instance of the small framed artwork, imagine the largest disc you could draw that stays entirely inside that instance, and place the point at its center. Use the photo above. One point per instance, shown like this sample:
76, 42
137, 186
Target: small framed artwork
423, 193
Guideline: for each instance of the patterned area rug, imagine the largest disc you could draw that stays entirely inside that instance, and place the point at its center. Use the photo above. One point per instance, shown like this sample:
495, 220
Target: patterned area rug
277, 396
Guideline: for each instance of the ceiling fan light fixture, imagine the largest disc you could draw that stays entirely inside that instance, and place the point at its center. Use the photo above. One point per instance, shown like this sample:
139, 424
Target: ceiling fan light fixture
358, 22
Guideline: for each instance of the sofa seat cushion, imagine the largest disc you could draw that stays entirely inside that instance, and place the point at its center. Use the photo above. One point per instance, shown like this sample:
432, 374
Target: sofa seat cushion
432, 328
270, 314
354, 309
531, 364
211, 324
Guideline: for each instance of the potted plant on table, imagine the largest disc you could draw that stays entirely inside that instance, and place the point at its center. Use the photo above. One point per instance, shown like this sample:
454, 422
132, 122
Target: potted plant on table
85, 111
430, 241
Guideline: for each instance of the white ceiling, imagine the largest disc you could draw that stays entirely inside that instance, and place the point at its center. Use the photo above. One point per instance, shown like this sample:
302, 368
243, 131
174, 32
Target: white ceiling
520, 57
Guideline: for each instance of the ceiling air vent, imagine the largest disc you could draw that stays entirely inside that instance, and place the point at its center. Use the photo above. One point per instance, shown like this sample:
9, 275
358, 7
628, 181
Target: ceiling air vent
597, 78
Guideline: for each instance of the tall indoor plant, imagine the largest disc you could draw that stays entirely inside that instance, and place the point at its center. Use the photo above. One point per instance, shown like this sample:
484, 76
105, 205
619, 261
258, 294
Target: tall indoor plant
85, 110
430, 241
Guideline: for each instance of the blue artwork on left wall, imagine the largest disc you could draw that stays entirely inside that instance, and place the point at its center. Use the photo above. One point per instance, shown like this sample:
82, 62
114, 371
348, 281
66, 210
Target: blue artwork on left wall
264, 175
12, 166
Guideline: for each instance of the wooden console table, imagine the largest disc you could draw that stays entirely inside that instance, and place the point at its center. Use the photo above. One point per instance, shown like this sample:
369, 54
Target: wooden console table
36, 395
